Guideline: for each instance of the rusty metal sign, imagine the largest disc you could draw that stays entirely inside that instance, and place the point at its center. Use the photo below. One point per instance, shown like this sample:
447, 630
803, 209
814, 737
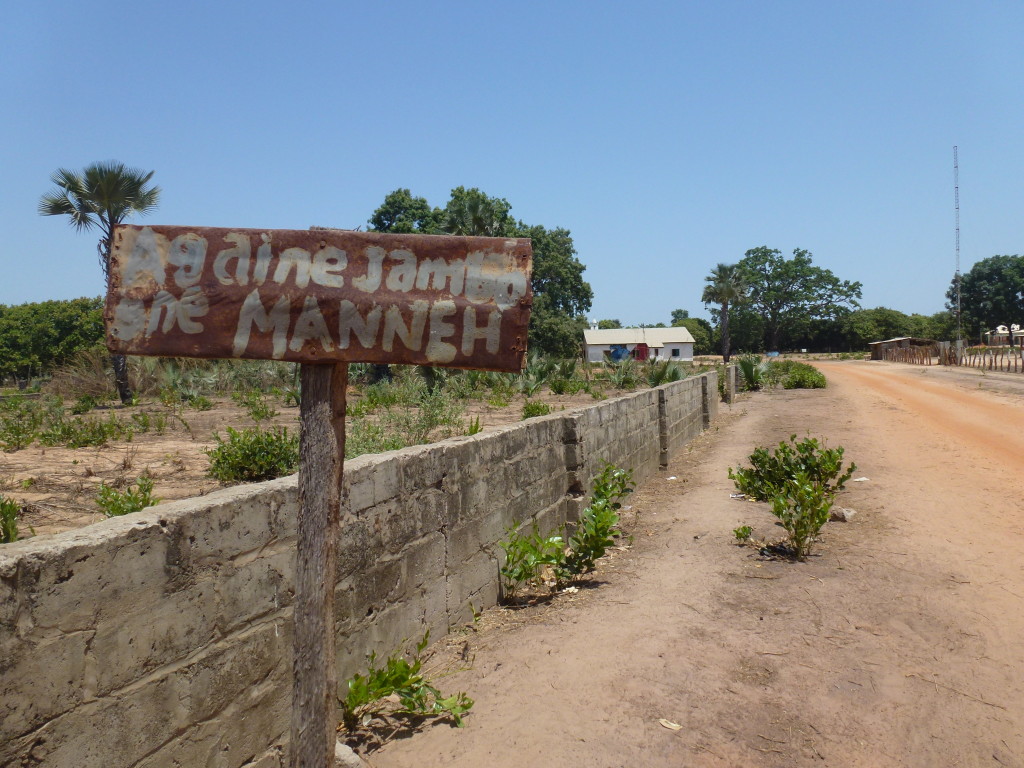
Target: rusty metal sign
317, 296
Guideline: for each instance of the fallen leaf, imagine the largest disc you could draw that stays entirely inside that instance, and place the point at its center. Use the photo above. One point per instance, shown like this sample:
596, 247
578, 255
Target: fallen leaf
670, 725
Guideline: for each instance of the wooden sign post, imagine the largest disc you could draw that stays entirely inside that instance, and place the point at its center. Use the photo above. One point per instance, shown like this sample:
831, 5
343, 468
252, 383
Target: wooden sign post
322, 298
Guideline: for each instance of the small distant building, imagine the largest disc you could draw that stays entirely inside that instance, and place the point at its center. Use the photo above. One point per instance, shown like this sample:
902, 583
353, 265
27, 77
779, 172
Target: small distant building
617, 344
1003, 336
880, 349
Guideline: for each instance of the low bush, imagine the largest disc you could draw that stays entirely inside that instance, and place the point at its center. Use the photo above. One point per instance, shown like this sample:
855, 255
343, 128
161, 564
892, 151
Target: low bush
527, 557
398, 687
253, 401
769, 471
803, 508
254, 454
597, 528
532, 408
535, 560
20, 419
114, 503
9, 511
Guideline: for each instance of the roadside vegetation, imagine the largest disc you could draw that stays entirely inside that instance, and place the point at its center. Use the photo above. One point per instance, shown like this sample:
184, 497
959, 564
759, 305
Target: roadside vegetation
537, 563
800, 480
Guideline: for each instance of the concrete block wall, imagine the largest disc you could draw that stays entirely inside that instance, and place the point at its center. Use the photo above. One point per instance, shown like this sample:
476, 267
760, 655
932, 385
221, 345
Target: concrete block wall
163, 638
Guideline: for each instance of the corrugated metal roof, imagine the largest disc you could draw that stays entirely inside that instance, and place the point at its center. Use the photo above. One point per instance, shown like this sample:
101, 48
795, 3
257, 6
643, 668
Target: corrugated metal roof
652, 337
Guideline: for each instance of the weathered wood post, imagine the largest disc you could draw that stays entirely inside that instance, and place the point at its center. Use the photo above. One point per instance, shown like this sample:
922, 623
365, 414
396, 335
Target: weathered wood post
322, 455
322, 298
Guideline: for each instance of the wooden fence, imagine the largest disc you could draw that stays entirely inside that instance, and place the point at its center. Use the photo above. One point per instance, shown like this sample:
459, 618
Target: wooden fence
916, 355
1006, 359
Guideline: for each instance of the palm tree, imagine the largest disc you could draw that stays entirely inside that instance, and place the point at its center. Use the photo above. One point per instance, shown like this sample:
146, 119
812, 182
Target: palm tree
103, 195
725, 286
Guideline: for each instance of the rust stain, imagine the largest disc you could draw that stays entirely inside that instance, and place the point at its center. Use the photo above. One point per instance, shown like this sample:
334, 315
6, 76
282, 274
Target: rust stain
319, 296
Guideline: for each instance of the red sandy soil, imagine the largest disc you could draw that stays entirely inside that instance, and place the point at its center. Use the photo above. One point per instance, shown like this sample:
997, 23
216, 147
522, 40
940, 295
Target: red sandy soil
900, 642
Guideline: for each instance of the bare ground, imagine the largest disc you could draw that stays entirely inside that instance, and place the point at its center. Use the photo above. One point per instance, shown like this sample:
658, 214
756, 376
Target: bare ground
58, 485
898, 644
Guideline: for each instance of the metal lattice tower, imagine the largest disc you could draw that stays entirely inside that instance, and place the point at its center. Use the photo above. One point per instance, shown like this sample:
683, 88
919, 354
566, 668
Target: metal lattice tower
956, 204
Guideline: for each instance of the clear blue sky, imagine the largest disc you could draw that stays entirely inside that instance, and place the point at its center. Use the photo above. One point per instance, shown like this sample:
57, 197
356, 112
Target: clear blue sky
667, 136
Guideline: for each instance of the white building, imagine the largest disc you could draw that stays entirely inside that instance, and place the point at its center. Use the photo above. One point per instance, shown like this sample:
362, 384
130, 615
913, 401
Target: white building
614, 344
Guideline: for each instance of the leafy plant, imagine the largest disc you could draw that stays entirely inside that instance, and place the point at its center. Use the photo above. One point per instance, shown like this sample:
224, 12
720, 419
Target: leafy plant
663, 372
398, 687
9, 511
742, 533
527, 555
754, 372
255, 404
114, 503
84, 404
201, 403
597, 528
802, 376
19, 420
473, 427
802, 507
253, 454
532, 408
770, 471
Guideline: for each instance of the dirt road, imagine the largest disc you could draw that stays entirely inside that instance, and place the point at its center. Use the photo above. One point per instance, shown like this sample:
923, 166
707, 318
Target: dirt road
900, 643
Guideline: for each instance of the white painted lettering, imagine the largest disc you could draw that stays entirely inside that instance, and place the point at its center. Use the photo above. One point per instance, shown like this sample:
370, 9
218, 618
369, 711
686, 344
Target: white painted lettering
311, 326
328, 264
188, 253
293, 257
240, 254
439, 351
402, 276
181, 312
350, 322
471, 333
394, 325
146, 261
371, 281
263, 256
253, 312
440, 273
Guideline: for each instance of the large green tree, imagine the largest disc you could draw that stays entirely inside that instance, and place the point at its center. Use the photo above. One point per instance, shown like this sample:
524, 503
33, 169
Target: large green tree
36, 337
787, 296
991, 294
103, 195
561, 297
725, 288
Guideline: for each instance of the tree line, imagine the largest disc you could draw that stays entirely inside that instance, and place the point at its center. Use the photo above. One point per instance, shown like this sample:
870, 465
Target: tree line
763, 302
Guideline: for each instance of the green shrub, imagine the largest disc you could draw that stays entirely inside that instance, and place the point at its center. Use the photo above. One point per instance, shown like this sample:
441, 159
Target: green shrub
84, 404
754, 372
742, 533
770, 471
9, 511
663, 372
363, 436
802, 507
534, 560
399, 687
254, 402
203, 403
533, 408
114, 503
527, 556
597, 527
253, 454
20, 419
803, 376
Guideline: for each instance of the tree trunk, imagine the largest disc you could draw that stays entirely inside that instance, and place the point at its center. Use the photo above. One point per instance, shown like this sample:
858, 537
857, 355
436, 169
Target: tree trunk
725, 333
124, 390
